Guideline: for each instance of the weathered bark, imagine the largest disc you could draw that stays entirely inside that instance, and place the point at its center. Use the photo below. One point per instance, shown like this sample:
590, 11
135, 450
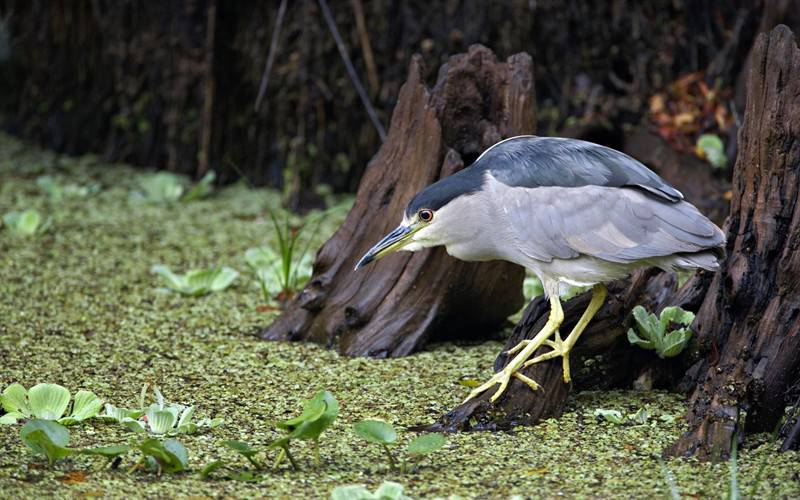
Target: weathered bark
752, 310
392, 307
600, 360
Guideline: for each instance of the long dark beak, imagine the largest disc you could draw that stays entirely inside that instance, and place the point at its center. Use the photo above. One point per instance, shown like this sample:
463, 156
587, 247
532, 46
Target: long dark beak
391, 242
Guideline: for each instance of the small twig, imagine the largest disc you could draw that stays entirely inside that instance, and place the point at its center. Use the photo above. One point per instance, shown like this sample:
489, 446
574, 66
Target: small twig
208, 90
373, 116
273, 48
366, 46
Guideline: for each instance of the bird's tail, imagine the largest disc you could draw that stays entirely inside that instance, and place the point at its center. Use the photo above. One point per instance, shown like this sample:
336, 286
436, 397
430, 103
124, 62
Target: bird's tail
707, 259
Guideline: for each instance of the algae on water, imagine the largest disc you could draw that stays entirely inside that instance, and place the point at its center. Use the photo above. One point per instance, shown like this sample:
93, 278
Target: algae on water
80, 308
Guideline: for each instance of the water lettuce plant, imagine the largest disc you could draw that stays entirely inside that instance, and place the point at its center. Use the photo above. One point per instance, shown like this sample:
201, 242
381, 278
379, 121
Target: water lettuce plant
388, 490
159, 188
615, 416
318, 414
160, 417
47, 402
57, 191
383, 434
658, 334
197, 282
27, 223
165, 188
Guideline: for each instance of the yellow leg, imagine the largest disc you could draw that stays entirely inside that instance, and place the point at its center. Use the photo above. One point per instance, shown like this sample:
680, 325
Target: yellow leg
599, 294
503, 377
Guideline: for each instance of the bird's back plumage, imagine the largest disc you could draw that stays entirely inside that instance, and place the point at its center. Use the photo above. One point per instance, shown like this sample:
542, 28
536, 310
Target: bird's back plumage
530, 162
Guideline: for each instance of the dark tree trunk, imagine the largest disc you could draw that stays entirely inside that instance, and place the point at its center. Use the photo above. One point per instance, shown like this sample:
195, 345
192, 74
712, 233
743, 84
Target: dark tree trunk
392, 307
752, 310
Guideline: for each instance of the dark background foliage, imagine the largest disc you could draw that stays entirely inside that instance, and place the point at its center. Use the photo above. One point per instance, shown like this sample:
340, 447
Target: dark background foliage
172, 84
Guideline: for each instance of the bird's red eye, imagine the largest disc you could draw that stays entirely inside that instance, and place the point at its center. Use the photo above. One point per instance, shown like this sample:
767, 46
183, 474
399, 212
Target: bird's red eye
425, 215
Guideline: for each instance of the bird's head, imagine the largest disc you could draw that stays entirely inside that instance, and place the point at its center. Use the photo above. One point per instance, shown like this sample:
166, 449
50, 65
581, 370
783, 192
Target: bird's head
433, 217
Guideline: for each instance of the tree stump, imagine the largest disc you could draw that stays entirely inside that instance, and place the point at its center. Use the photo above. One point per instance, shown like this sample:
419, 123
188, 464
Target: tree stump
752, 310
394, 306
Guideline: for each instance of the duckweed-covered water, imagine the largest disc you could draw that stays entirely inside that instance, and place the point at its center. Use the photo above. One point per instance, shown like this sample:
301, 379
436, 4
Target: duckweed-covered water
81, 308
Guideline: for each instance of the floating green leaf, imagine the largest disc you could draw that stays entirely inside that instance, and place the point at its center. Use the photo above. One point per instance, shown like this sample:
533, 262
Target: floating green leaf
47, 438
376, 431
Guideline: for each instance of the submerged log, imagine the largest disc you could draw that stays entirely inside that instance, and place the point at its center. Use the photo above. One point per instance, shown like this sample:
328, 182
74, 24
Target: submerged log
752, 310
394, 306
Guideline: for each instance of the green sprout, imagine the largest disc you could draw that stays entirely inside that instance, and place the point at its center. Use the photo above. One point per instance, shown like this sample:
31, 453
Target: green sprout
710, 147
383, 434
47, 402
318, 414
283, 269
388, 490
657, 333
159, 418
197, 282
27, 223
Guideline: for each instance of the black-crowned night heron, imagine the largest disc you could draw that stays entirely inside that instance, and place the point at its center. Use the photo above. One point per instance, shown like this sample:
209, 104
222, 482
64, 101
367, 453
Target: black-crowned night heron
572, 212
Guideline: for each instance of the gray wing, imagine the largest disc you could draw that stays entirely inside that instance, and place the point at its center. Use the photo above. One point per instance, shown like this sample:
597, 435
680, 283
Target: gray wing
615, 224
529, 161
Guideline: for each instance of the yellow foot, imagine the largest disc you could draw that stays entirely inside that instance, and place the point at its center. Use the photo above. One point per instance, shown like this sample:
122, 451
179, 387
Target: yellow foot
525, 343
503, 377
